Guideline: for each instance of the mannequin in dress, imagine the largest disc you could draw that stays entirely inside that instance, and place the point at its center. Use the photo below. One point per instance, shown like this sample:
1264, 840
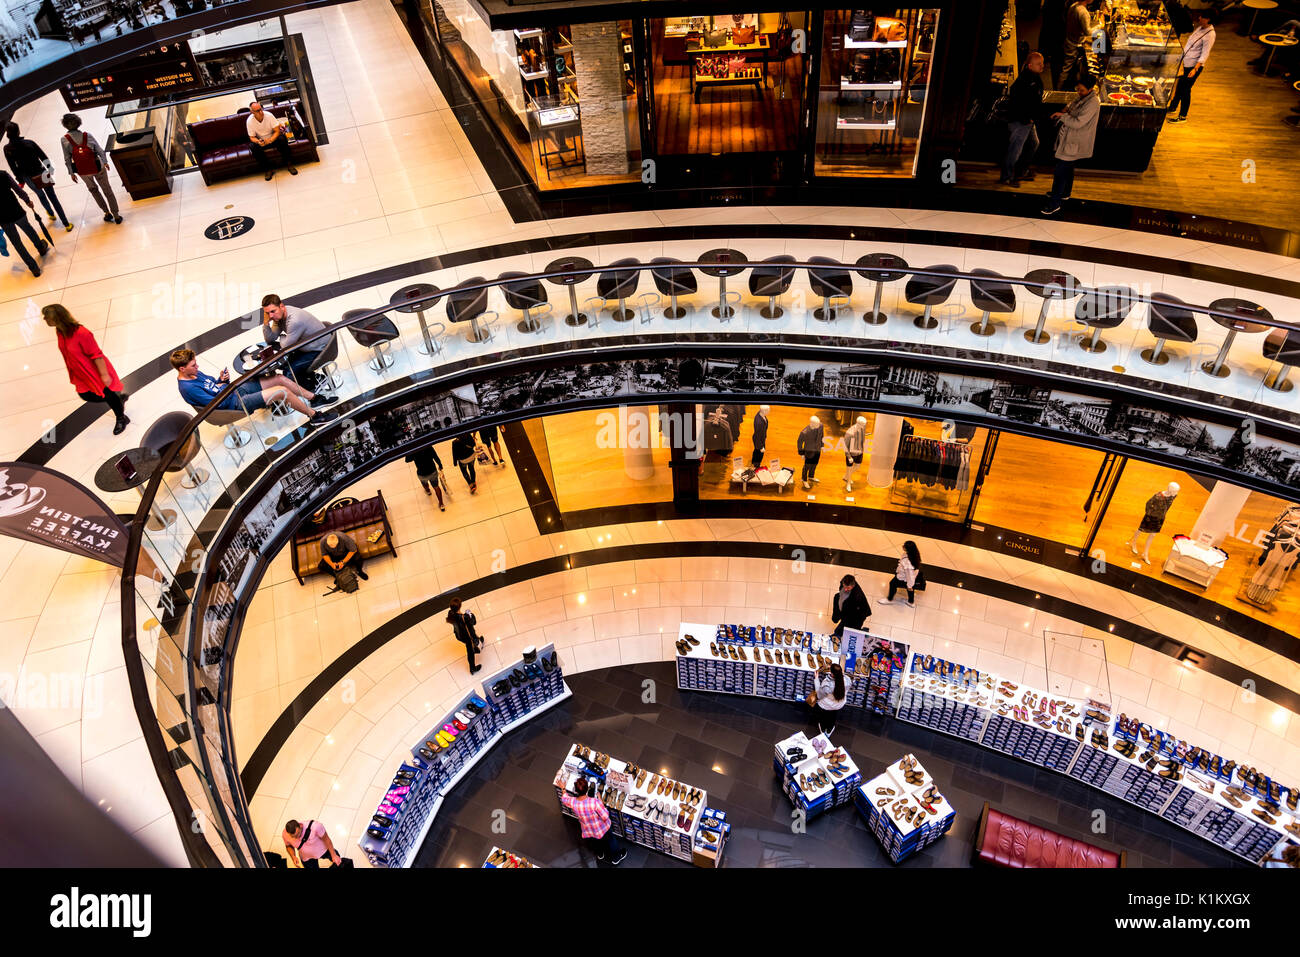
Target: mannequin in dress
1157, 508
810, 447
855, 442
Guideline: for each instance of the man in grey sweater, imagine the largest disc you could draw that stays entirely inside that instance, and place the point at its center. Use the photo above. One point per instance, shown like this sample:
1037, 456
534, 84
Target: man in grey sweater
83, 155
288, 326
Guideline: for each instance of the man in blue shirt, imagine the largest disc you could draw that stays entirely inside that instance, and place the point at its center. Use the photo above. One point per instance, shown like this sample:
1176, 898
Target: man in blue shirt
198, 389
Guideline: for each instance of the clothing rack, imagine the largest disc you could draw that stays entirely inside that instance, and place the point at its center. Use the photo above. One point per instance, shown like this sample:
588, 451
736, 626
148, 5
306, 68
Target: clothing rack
933, 462
1277, 561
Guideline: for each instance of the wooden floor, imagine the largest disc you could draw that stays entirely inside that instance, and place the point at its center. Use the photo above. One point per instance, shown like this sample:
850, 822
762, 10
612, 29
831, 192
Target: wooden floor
1235, 127
588, 474
728, 119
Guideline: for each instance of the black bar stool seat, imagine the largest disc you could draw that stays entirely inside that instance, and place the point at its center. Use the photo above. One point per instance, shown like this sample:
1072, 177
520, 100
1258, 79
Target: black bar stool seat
525, 293
1104, 307
880, 268
673, 278
990, 292
830, 279
374, 334
469, 305
163, 433
619, 283
1167, 318
1283, 347
930, 291
771, 280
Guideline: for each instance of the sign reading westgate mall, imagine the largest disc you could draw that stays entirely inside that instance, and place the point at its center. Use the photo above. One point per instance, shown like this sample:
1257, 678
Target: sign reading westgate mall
43, 506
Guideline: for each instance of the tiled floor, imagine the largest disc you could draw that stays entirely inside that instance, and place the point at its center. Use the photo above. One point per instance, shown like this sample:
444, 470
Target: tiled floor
724, 744
336, 763
151, 284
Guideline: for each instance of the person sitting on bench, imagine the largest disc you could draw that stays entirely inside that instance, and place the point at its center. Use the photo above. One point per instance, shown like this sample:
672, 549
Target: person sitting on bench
337, 551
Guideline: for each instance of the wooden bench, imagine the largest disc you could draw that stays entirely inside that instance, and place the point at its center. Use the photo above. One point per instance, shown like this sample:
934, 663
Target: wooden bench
358, 519
1006, 841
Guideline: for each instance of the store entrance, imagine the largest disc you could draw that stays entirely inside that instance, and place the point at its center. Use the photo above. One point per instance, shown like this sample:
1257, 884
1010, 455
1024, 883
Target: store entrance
731, 83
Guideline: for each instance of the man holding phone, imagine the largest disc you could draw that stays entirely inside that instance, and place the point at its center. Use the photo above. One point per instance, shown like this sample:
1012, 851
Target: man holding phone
266, 131
1195, 52
198, 389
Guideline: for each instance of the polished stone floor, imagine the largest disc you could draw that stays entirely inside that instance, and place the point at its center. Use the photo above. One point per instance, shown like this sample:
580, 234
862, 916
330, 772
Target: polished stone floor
725, 744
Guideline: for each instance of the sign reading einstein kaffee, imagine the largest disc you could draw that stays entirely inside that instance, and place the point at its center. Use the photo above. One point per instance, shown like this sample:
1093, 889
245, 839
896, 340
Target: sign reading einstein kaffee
43, 506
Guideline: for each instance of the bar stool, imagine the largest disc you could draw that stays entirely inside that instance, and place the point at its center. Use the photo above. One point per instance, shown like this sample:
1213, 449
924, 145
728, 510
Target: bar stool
882, 268
720, 263
160, 437
991, 292
930, 291
375, 334
673, 278
1102, 308
619, 282
469, 305
1167, 318
570, 279
770, 281
326, 364
235, 436
525, 293
401, 301
1244, 311
831, 281
1049, 284
1282, 346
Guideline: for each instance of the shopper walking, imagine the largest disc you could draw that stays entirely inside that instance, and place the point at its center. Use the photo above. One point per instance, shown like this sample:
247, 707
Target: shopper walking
1025, 102
12, 219
33, 168
1196, 51
89, 370
266, 131
463, 453
490, 436
810, 447
308, 844
85, 157
829, 695
906, 574
428, 469
849, 607
1074, 140
462, 626
593, 820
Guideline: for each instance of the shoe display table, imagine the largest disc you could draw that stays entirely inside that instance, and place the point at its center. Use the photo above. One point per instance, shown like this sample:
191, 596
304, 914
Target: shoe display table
1228, 804
815, 774
499, 857
904, 808
446, 754
647, 808
1195, 562
781, 663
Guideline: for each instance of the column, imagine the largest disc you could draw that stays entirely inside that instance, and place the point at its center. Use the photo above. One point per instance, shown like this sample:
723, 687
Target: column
638, 434
884, 450
1218, 517
598, 67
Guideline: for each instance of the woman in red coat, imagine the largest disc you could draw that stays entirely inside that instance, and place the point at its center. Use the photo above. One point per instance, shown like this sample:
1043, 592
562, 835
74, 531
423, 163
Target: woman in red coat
91, 373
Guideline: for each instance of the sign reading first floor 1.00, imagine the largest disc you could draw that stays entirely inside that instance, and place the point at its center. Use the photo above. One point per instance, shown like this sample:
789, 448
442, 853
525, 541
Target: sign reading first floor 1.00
165, 68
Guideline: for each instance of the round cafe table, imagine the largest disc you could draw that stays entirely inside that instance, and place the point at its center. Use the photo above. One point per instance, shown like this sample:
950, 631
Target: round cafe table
1255, 6
403, 301
1050, 284
718, 262
1245, 312
567, 277
1275, 42
109, 478
881, 268
247, 361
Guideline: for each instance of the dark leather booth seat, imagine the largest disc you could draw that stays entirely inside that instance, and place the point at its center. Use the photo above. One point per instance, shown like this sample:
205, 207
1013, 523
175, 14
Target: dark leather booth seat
1006, 841
223, 150
359, 519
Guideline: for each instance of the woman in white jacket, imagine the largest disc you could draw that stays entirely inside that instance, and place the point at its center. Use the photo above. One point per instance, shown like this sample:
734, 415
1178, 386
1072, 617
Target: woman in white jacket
909, 569
1074, 139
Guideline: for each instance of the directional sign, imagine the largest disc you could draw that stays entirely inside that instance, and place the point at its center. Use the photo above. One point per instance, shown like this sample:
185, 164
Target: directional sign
163, 68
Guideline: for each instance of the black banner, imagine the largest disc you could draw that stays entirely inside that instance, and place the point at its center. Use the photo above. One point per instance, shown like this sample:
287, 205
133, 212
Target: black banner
44, 506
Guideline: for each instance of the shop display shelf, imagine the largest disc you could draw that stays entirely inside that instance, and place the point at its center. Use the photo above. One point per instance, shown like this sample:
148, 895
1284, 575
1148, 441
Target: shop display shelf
527, 34
847, 84
823, 799
851, 44
843, 124
522, 862
902, 836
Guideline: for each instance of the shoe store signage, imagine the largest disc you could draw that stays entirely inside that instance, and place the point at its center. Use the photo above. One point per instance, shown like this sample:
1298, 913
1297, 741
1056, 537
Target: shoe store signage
43, 506
229, 228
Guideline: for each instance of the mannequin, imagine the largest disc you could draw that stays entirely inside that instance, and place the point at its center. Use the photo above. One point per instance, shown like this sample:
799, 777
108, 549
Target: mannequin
855, 441
760, 435
1157, 508
810, 447
1277, 562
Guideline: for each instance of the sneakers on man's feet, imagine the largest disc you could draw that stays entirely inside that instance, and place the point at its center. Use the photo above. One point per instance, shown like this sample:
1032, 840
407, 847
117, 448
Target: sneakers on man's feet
67, 227
1051, 209
269, 173
321, 401
885, 601
321, 418
363, 576
619, 859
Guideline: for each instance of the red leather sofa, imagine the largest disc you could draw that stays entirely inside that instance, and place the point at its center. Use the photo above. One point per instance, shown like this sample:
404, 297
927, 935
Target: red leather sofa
1006, 841
358, 519
223, 150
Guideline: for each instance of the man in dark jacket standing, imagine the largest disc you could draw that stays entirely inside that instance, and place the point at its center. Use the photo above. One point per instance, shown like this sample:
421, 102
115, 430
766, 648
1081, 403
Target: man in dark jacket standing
12, 219
33, 168
760, 435
1025, 100
849, 609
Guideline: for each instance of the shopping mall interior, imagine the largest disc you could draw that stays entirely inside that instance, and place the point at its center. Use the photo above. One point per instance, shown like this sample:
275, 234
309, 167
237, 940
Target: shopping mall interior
700, 433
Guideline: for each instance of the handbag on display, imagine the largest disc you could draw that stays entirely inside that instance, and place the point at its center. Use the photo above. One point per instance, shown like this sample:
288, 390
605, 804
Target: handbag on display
862, 26
889, 30
743, 36
715, 38
736, 66
861, 69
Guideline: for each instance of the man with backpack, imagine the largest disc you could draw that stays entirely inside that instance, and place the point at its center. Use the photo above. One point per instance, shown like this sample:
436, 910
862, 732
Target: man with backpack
85, 157
308, 844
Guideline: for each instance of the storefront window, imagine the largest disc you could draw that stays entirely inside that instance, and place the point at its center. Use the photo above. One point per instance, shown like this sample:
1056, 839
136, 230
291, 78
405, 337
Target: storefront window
728, 83
609, 457
875, 72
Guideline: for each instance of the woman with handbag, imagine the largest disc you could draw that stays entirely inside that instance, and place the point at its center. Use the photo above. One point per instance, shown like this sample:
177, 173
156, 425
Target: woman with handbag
465, 453
1074, 139
907, 575
462, 625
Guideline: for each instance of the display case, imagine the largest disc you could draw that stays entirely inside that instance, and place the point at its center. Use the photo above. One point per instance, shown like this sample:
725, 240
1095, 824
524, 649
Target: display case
1140, 74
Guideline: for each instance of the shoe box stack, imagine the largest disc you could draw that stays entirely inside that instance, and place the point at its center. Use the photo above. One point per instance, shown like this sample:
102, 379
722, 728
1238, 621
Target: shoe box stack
876, 666
1224, 814
904, 809
1032, 725
522, 687
815, 774
645, 808
500, 857
760, 660
945, 696
399, 821
710, 838
700, 669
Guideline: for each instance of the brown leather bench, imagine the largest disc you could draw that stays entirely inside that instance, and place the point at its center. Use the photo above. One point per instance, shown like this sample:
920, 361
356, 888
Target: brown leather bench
359, 519
1006, 841
223, 150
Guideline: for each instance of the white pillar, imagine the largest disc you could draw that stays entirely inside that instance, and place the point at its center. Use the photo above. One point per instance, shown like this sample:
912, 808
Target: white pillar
1218, 517
883, 447
638, 439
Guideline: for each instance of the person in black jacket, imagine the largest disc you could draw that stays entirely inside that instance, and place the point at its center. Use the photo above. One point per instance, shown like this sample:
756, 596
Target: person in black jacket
462, 624
1025, 100
849, 609
463, 451
33, 168
12, 219
760, 435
